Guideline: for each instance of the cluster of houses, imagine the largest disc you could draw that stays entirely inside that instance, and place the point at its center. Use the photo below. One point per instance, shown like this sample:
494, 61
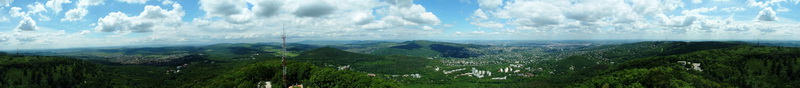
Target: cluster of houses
693, 66
264, 84
346, 67
177, 69
268, 84
408, 75
478, 73
139, 59
500, 78
482, 73
508, 70
454, 70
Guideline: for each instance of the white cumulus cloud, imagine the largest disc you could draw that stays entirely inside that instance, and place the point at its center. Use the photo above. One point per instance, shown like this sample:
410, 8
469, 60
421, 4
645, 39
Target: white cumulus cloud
533, 13
6, 3
16, 12
654, 7
267, 8
697, 1
134, 1
415, 13
733, 9
490, 4
75, 14
427, 28
489, 24
36, 8
3, 19
80, 11
767, 15
86, 3
582, 16
400, 14
55, 5
223, 8
149, 19
234, 11
27, 24
316, 9
401, 3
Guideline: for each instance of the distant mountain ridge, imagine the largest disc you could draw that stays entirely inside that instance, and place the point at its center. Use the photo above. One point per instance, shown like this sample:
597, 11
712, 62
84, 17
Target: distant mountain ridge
426, 48
661, 48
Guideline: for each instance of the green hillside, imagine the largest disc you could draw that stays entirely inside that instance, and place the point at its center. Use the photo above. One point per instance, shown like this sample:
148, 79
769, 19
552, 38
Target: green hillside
733, 65
247, 50
394, 64
299, 73
44, 72
600, 57
425, 48
645, 49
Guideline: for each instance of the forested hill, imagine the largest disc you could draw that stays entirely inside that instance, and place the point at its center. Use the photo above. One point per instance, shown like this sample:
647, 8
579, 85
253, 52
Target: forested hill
253, 75
333, 56
736, 66
66, 72
658, 48
393, 64
611, 54
44, 71
425, 48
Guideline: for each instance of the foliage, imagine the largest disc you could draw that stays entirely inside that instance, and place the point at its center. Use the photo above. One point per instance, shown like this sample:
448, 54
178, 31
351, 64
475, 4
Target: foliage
422, 48
629, 51
741, 66
43, 71
653, 77
394, 64
450, 51
299, 73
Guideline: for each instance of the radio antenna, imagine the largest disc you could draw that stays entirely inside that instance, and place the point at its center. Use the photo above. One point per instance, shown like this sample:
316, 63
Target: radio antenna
283, 55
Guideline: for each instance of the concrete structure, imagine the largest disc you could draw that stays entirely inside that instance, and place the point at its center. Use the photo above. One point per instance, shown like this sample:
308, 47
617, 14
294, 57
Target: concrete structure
500, 78
694, 66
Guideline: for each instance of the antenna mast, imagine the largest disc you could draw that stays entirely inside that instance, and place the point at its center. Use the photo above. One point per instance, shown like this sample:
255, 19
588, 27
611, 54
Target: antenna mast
283, 55
758, 42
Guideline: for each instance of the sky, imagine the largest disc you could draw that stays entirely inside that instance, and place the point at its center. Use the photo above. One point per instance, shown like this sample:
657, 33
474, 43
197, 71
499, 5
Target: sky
55, 24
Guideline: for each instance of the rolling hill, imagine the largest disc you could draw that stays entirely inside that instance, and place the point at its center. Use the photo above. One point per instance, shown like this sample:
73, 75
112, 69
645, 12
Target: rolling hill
670, 64
394, 64
739, 66
425, 48
45, 71
611, 54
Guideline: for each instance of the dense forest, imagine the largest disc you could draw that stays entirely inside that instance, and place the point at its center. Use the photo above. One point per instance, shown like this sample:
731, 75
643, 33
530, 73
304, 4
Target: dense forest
298, 73
393, 64
733, 65
740, 66
48, 71
43, 71
424, 48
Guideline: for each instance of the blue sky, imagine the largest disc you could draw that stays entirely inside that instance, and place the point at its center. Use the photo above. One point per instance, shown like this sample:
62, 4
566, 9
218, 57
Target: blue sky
50, 24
